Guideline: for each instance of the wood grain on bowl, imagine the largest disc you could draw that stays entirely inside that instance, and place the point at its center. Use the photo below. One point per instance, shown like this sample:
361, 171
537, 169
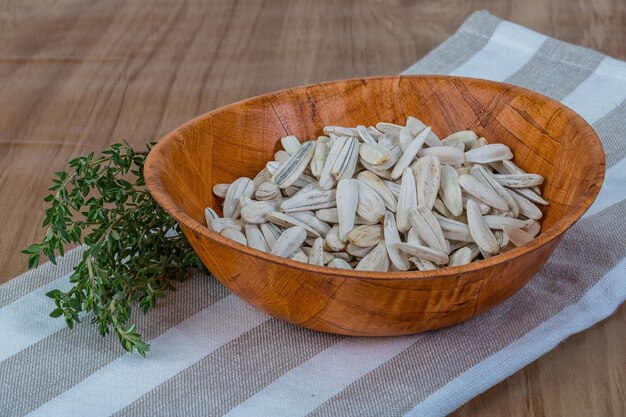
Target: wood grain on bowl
236, 140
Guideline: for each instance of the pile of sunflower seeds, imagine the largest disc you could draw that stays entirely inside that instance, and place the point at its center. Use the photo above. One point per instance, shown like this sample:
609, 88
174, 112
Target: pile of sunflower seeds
383, 198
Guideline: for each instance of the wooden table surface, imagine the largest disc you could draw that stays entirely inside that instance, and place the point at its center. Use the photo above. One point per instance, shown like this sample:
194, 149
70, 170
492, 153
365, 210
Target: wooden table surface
78, 75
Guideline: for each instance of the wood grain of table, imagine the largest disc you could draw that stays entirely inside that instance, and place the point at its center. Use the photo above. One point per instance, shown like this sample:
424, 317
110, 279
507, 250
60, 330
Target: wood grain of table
78, 75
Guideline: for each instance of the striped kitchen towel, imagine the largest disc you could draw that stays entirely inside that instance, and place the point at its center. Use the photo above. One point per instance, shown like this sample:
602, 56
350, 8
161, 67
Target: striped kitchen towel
214, 355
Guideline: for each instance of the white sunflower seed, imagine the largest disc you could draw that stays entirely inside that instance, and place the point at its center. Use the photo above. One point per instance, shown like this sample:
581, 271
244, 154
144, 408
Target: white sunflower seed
304, 180
319, 159
414, 238
428, 228
323, 139
244, 201
220, 190
519, 180
482, 191
422, 264
393, 187
314, 175
388, 127
502, 238
219, 224
479, 143
331, 215
347, 202
447, 155
484, 208
379, 172
357, 251
405, 138
271, 233
450, 190
374, 182
428, 173
534, 228
496, 222
466, 137
333, 241
409, 154
389, 141
342, 255
406, 200
423, 252
414, 125
454, 230
462, 256
232, 204
508, 167
482, 235
289, 241
442, 209
281, 156
234, 234
339, 264
526, 208
489, 153
455, 144
310, 219
370, 205
286, 220
267, 191
210, 214
272, 166
294, 166
312, 199
475, 250
341, 131
255, 238
299, 256
365, 135
345, 165
531, 195
260, 178
326, 180
519, 237
432, 140
316, 255
398, 258
374, 132
376, 260
290, 191
366, 235
465, 169
458, 245
486, 177
374, 154
257, 211
291, 144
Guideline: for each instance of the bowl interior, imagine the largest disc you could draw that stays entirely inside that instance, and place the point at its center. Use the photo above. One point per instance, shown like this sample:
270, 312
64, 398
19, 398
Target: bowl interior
237, 140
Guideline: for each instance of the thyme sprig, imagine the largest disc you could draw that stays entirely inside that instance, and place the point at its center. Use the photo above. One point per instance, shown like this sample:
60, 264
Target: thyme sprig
134, 249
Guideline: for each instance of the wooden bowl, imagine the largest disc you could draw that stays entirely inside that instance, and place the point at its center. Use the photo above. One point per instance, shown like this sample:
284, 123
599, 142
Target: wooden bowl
237, 140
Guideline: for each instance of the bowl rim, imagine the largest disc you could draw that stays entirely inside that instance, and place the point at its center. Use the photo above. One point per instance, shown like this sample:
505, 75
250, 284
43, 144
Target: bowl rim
158, 192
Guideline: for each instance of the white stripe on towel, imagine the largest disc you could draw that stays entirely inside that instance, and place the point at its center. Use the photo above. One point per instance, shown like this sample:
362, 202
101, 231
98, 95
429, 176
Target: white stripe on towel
511, 46
601, 92
309, 385
611, 289
127, 378
25, 321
